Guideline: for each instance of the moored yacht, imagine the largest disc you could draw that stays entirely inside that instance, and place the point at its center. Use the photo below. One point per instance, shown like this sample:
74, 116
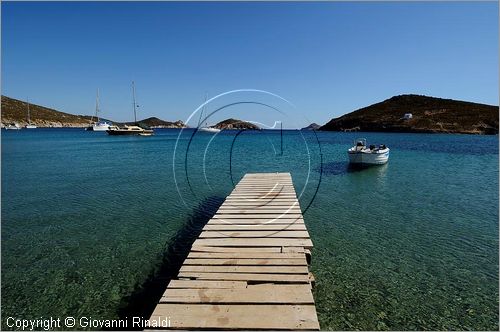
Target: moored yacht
29, 125
130, 130
206, 128
371, 155
98, 125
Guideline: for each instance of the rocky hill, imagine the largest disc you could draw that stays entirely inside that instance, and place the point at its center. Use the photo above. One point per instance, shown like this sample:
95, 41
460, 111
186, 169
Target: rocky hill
312, 126
154, 122
428, 115
14, 110
236, 124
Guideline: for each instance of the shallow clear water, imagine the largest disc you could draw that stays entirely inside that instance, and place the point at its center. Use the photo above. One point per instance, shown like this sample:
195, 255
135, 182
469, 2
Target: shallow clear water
87, 219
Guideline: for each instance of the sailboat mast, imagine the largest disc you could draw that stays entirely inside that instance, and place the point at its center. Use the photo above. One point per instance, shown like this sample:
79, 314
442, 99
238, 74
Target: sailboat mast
133, 102
97, 105
202, 110
28, 102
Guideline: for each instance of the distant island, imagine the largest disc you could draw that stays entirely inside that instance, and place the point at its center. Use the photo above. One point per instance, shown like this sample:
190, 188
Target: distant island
312, 126
236, 124
154, 122
15, 111
420, 114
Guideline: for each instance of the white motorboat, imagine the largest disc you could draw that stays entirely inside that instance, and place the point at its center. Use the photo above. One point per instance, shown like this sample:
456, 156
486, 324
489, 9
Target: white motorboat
13, 126
98, 125
29, 125
360, 153
209, 129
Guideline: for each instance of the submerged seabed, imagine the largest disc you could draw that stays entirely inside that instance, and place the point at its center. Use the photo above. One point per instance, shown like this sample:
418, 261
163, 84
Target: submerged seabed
88, 219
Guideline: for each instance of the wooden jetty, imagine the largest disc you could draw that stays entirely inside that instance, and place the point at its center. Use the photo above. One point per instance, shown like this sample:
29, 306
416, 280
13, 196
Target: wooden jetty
248, 269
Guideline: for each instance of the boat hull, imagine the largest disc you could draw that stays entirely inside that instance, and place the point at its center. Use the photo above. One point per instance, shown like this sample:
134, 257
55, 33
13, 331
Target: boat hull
369, 158
129, 132
99, 127
209, 130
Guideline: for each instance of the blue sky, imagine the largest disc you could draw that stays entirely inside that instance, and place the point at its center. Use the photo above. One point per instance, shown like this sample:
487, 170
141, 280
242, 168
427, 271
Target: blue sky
328, 59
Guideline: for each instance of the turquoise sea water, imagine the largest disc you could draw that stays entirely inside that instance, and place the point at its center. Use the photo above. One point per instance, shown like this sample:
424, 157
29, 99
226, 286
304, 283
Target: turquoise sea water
88, 219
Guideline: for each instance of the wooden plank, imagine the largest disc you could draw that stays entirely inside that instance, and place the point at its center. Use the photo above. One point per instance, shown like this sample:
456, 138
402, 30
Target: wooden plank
258, 242
256, 234
198, 248
288, 269
249, 277
277, 294
266, 187
238, 316
261, 204
253, 222
293, 249
244, 255
274, 186
276, 210
299, 261
289, 192
265, 227
195, 284
257, 215
261, 199
259, 196
244, 202
273, 208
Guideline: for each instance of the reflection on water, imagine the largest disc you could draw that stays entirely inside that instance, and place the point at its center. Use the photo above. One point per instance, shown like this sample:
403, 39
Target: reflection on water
344, 167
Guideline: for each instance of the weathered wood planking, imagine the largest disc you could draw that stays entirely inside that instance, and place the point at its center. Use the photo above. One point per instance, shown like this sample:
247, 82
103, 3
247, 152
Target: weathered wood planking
246, 255
255, 234
238, 316
279, 294
265, 227
248, 268
261, 262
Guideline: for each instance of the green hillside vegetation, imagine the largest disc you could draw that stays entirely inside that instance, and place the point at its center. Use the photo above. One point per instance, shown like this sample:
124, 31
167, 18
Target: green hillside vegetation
14, 110
430, 115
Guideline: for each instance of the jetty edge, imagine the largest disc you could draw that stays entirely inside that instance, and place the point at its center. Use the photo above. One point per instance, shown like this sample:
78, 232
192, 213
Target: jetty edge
248, 269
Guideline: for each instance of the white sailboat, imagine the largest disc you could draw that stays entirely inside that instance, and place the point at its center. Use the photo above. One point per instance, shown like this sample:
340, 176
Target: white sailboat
98, 125
29, 125
206, 128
